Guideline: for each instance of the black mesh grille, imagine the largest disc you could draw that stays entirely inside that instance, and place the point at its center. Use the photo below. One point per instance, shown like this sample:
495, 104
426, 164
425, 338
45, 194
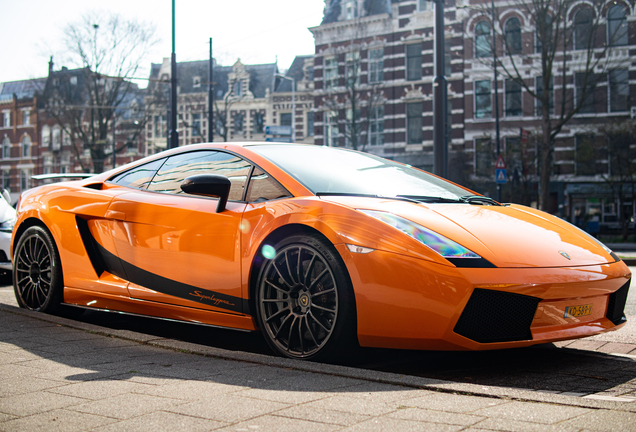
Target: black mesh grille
3, 257
616, 305
495, 316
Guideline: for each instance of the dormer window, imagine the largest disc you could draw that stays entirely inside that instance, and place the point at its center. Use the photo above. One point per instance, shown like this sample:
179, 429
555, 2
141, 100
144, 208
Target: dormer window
196, 82
238, 88
351, 9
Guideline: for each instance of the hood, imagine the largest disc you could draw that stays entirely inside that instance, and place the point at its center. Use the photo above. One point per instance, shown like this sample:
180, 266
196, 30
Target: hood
511, 236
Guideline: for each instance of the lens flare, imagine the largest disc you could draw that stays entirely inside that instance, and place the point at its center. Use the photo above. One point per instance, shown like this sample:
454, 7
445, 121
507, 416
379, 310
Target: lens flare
268, 252
245, 226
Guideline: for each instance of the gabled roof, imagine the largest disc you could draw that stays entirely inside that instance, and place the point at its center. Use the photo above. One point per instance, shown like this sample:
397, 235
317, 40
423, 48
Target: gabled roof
295, 71
21, 89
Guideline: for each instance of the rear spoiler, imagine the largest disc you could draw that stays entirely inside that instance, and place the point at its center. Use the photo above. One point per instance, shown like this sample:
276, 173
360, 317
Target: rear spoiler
62, 176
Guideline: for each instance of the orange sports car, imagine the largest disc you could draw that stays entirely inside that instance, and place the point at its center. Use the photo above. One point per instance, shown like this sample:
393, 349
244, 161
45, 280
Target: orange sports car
319, 248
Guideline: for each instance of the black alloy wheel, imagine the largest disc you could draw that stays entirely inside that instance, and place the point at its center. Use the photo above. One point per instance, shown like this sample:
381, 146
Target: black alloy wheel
305, 303
37, 271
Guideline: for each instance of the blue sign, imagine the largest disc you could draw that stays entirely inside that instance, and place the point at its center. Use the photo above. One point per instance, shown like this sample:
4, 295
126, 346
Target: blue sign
278, 130
501, 176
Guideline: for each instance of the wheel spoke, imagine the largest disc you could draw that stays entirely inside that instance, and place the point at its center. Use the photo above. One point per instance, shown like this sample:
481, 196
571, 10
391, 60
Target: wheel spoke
281, 276
291, 330
318, 322
270, 283
318, 278
319, 293
289, 272
333, 311
311, 333
300, 335
282, 325
299, 267
277, 314
309, 268
275, 300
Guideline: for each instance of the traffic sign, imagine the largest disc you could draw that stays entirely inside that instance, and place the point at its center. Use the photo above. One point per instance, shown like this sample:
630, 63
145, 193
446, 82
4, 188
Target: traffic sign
500, 164
278, 139
501, 176
278, 130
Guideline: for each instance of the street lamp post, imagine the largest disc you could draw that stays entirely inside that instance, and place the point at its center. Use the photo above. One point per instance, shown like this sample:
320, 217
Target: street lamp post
293, 119
174, 133
440, 94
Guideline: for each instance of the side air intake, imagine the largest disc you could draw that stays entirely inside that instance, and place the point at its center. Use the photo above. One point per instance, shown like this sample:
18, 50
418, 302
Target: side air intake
616, 305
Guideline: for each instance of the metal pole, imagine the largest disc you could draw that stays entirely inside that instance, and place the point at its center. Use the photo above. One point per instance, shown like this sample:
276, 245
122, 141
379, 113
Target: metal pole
293, 137
440, 94
494, 62
174, 133
211, 96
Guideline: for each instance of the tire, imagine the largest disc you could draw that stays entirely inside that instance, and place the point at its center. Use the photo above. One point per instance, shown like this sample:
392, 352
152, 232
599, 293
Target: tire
304, 300
37, 271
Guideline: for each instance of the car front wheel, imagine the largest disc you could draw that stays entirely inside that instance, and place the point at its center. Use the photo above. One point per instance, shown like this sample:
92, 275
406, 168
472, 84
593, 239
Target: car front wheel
305, 303
37, 271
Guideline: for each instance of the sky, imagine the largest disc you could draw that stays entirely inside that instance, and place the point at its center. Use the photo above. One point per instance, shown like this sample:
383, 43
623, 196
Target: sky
256, 31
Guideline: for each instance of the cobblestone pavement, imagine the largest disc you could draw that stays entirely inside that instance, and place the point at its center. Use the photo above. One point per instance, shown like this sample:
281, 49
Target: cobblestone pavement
59, 374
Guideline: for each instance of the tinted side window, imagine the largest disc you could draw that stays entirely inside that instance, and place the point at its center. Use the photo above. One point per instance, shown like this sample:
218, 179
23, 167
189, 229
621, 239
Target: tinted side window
263, 187
138, 177
177, 168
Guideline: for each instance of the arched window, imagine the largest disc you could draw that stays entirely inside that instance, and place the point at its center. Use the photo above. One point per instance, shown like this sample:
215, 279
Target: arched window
543, 34
6, 148
513, 35
583, 29
57, 138
26, 146
616, 26
482, 39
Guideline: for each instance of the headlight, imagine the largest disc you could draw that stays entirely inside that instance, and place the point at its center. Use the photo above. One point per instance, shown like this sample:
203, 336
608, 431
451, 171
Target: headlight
7, 226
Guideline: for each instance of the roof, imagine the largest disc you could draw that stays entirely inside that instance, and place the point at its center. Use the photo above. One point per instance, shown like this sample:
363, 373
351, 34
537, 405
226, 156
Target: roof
295, 71
369, 7
261, 77
21, 89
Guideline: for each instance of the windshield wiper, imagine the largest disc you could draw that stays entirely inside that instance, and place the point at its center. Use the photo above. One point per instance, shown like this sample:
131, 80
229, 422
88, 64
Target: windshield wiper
479, 200
429, 199
399, 197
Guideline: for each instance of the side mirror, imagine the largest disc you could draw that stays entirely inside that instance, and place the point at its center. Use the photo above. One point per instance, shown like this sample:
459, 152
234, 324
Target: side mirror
210, 185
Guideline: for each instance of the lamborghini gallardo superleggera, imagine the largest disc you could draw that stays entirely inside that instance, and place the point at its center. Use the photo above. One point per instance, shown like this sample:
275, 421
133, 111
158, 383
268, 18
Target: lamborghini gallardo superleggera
320, 249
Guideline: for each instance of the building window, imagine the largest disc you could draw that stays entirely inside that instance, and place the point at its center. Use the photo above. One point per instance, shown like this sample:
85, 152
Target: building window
238, 88
482, 39
414, 62
6, 179
196, 124
66, 137
544, 35
285, 119
538, 85
513, 35
161, 127
46, 136
352, 67
331, 73
6, 148
310, 124
26, 146
484, 156
616, 26
351, 9
57, 138
238, 123
583, 29
376, 65
26, 117
585, 92
331, 129
483, 99
6, 118
414, 123
376, 126
589, 155
196, 82
513, 98
25, 179
259, 123
423, 5
619, 90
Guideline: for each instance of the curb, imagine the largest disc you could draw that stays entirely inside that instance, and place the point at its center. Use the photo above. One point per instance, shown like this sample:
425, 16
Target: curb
523, 395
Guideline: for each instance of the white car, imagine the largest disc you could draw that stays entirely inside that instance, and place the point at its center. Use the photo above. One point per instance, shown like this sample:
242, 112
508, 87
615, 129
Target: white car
7, 219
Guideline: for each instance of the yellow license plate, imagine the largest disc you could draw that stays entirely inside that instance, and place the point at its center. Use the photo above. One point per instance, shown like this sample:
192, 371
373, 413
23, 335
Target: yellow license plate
577, 311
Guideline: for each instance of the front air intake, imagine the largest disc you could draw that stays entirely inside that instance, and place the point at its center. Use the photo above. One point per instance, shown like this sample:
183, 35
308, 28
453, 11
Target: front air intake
616, 305
496, 316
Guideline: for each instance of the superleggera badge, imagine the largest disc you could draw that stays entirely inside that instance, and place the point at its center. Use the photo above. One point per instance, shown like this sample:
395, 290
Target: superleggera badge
565, 254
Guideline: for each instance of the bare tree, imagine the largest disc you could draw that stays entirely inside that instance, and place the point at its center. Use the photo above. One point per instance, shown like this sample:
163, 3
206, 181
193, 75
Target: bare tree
108, 51
558, 64
222, 114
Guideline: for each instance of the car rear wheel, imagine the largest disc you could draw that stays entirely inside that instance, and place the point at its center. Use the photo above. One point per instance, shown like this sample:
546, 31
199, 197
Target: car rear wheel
37, 271
305, 303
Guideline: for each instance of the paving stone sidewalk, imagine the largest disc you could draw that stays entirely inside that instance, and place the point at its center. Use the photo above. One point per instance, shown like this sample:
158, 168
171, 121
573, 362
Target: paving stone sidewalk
58, 374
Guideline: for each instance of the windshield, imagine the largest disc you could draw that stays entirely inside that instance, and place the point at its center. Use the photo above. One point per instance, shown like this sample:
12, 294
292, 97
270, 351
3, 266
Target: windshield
326, 170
